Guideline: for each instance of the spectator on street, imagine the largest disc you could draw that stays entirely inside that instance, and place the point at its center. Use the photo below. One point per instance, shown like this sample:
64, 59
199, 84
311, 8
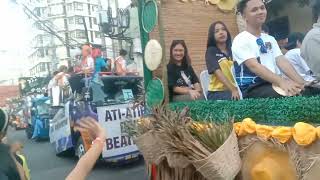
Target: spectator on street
10, 168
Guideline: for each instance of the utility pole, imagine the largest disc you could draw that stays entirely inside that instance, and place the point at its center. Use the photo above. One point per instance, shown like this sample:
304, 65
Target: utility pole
103, 38
66, 33
118, 29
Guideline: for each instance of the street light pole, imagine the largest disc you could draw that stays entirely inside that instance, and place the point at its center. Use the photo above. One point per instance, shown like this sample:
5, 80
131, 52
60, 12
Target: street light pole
66, 27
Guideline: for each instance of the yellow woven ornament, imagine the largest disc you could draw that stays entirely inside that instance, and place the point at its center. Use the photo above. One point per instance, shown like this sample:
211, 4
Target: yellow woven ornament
214, 1
264, 131
282, 134
227, 5
304, 134
248, 126
237, 127
274, 166
318, 131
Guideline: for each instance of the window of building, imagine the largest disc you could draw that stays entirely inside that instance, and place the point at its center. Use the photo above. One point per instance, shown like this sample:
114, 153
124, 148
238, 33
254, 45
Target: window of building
78, 6
81, 34
71, 20
73, 34
42, 67
94, 8
56, 10
94, 21
79, 20
70, 7
98, 34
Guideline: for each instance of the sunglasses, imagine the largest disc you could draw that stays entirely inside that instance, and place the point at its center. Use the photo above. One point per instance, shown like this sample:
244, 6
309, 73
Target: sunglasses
263, 48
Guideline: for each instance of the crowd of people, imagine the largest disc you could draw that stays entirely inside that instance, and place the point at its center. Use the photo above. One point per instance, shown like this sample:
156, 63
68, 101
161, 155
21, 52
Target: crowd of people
252, 65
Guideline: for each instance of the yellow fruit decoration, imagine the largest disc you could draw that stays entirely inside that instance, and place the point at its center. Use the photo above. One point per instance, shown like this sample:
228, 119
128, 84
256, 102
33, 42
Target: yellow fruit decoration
227, 5
282, 134
304, 134
318, 131
214, 2
237, 127
248, 126
273, 166
264, 131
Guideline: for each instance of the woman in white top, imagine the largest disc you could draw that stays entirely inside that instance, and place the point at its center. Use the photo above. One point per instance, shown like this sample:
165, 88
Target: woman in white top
294, 56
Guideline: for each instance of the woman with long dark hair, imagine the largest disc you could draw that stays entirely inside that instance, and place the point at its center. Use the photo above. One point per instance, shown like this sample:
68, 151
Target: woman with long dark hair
182, 81
219, 62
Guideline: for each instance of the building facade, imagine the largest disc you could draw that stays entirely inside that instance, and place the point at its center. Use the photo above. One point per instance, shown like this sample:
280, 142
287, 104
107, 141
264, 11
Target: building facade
60, 27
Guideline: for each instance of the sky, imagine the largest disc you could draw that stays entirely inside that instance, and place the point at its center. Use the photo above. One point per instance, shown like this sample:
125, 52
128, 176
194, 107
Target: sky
15, 36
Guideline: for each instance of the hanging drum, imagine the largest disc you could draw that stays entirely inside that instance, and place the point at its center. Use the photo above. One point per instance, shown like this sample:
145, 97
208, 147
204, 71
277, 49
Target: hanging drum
149, 15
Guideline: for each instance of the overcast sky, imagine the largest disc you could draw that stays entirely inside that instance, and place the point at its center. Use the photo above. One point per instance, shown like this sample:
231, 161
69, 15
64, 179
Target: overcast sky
15, 36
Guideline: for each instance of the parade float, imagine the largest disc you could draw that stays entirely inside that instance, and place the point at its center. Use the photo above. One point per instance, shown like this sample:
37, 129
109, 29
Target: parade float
269, 139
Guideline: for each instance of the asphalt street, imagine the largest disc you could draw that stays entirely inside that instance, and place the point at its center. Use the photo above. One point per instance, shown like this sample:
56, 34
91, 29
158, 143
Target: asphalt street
45, 165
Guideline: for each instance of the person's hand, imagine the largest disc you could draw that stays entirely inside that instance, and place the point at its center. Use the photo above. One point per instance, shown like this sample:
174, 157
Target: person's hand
235, 94
290, 87
194, 94
91, 126
16, 147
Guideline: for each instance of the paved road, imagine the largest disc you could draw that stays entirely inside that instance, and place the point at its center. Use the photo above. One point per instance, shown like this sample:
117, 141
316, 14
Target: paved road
45, 165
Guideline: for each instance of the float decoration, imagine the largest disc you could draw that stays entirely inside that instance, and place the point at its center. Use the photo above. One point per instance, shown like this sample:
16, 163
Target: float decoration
175, 144
293, 149
224, 5
285, 111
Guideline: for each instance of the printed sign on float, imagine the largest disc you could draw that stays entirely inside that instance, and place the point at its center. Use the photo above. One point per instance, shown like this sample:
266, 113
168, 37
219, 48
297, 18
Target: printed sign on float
112, 118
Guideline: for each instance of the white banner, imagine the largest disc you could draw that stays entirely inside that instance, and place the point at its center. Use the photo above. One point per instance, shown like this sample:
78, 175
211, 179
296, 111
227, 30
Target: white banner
60, 124
112, 119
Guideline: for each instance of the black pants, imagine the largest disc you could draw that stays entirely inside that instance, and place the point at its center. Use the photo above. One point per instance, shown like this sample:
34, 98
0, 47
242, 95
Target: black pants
265, 90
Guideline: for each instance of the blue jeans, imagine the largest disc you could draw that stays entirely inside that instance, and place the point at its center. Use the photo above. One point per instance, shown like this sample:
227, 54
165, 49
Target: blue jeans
219, 95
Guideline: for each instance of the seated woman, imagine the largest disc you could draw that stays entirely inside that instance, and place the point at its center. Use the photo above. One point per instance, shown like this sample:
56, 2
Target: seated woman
182, 81
219, 64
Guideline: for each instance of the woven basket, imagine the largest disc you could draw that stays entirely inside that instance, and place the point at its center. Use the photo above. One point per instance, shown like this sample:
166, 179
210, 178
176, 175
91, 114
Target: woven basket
224, 163
154, 150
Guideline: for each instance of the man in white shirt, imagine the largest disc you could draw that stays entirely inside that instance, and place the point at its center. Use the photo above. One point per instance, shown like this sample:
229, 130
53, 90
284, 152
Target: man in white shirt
258, 57
294, 56
311, 43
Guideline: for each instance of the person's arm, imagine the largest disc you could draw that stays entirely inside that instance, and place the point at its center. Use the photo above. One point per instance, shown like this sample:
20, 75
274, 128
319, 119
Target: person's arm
289, 70
289, 87
197, 87
19, 168
86, 163
181, 90
263, 72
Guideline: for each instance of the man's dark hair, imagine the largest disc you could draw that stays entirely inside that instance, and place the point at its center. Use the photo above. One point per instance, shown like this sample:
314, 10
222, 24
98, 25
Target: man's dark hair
242, 4
315, 5
211, 35
293, 38
55, 73
123, 52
